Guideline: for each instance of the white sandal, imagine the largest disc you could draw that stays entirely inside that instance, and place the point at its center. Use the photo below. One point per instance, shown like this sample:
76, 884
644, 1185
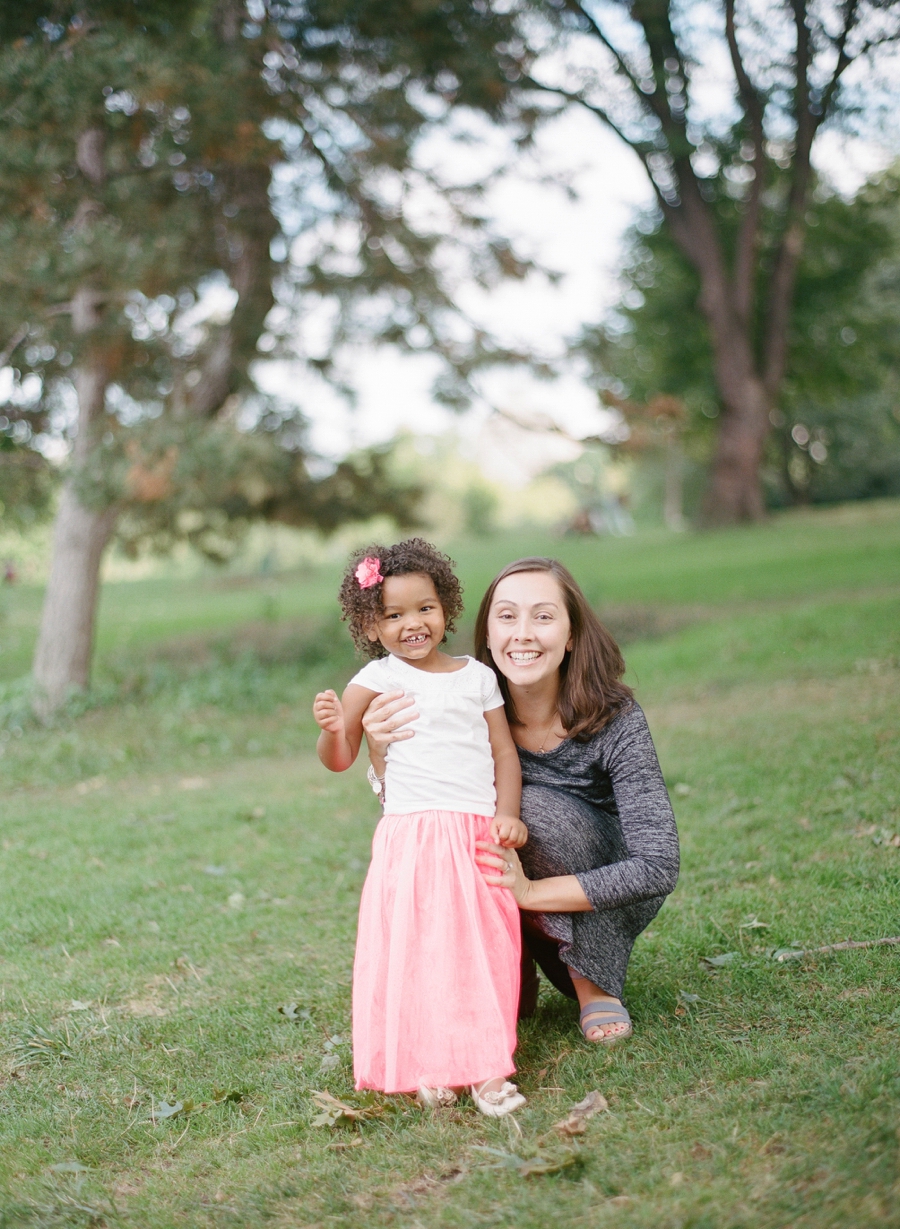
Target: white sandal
497, 1104
435, 1098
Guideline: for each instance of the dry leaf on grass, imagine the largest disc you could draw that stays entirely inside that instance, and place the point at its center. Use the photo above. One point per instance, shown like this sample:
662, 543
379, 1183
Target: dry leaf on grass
579, 1115
532, 1166
341, 1113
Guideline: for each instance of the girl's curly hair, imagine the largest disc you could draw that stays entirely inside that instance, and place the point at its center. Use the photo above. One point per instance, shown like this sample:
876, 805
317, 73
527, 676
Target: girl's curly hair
362, 607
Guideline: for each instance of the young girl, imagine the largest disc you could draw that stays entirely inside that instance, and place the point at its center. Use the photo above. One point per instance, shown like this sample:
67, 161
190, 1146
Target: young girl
436, 974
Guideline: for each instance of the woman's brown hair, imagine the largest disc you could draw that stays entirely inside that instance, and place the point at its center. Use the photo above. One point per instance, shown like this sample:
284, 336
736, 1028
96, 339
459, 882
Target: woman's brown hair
590, 688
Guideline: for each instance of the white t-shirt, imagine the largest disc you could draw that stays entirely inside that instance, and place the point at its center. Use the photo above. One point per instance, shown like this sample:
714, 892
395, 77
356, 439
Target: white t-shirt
447, 765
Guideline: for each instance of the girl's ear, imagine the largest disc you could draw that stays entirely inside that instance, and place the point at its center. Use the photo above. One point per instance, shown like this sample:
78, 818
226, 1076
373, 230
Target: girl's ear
372, 634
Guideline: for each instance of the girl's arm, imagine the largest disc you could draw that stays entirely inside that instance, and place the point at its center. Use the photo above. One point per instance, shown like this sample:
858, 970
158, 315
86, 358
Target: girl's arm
506, 827
341, 725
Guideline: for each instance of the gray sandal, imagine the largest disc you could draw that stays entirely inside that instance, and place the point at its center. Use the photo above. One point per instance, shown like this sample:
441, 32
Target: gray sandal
614, 1013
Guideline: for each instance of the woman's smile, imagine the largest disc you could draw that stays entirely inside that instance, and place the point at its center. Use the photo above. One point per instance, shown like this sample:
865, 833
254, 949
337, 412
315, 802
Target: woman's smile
528, 627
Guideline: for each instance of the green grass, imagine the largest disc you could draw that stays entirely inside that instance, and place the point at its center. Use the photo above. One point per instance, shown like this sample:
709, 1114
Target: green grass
177, 866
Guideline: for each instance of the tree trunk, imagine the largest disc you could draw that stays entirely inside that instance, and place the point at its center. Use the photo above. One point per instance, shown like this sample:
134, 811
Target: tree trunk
62, 660
735, 491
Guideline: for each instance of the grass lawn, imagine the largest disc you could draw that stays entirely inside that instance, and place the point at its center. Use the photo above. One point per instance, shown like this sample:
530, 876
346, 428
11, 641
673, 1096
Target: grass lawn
177, 867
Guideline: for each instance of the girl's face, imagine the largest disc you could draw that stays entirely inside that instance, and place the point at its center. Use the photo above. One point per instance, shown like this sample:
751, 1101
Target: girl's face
412, 624
528, 628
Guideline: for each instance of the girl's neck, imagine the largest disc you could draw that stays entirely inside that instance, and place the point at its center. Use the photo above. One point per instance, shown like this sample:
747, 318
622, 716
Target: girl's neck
536, 704
435, 663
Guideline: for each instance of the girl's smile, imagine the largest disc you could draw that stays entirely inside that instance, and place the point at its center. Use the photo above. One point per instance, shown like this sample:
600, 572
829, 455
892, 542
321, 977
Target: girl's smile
412, 624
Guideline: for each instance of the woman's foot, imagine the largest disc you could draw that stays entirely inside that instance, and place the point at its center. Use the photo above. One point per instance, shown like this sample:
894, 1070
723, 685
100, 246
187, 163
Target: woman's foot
608, 1020
605, 1021
496, 1098
435, 1098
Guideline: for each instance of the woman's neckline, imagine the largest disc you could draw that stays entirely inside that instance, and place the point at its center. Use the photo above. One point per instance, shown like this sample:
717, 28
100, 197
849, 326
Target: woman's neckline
542, 755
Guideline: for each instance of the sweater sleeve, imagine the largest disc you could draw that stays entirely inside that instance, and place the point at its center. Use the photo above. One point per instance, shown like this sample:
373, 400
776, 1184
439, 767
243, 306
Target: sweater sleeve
650, 865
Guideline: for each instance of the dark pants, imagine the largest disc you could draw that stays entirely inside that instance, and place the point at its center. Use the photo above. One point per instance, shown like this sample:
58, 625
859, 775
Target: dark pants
566, 836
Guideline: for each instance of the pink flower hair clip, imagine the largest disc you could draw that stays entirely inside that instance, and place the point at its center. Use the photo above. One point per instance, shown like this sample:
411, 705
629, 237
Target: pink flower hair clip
368, 572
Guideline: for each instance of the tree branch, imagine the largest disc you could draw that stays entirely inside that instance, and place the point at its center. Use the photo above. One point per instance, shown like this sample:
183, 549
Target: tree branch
643, 149
790, 249
13, 344
748, 236
575, 7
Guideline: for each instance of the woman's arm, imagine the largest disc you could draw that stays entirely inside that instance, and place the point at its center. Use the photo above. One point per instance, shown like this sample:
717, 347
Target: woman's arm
341, 725
385, 721
561, 894
650, 865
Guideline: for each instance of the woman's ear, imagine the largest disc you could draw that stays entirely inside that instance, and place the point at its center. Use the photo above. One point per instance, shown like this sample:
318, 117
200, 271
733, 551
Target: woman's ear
569, 644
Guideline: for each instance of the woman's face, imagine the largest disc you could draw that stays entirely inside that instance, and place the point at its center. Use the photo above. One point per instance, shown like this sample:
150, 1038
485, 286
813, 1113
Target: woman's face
528, 628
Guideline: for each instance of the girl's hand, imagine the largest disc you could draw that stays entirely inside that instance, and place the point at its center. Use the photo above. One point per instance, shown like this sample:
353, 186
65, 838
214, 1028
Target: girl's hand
386, 719
502, 869
329, 712
508, 830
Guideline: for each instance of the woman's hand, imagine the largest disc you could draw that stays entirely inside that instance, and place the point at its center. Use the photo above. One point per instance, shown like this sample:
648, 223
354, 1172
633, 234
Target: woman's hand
386, 720
502, 869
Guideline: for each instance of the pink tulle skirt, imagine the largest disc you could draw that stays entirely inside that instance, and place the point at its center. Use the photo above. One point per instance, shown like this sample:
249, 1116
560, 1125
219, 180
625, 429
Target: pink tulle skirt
436, 974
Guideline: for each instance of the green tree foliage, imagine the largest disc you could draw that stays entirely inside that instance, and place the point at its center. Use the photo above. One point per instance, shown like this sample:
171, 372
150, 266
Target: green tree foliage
179, 182
836, 429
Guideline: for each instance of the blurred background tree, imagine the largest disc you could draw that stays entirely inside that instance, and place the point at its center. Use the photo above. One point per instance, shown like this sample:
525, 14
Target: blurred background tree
733, 181
159, 162
835, 429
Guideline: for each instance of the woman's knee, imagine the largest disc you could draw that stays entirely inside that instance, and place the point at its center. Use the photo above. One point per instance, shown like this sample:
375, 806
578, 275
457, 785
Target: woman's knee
566, 833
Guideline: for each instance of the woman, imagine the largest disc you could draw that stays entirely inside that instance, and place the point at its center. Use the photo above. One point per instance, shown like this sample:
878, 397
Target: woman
602, 851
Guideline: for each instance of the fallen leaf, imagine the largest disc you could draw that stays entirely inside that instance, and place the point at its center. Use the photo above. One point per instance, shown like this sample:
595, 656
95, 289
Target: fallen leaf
290, 1012
676, 1179
167, 1109
236, 900
579, 1115
718, 962
78, 1005
529, 1167
69, 1167
221, 1097
339, 1113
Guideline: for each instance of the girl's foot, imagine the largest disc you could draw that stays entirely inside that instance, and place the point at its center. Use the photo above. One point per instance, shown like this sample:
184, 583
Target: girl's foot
435, 1098
496, 1098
